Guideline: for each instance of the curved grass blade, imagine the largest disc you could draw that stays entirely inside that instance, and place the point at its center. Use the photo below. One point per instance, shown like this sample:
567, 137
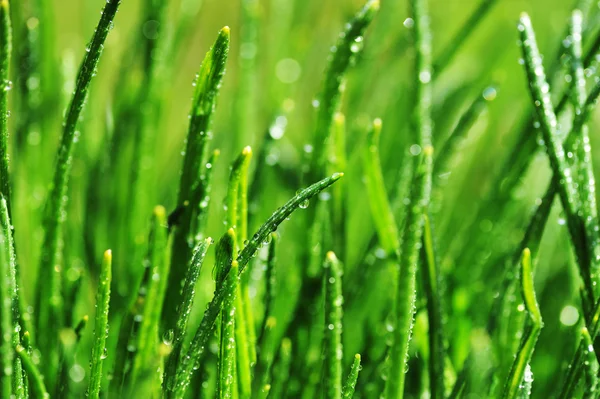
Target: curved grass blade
146, 359
193, 176
332, 341
419, 200
348, 391
381, 210
349, 43
49, 300
36, 379
198, 344
532, 330
100, 326
444, 59
5, 86
431, 284
562, 172
183, 313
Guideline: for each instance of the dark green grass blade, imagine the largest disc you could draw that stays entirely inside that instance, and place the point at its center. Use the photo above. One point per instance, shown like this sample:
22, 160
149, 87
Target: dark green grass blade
344, 52
100, 327
146, 359
5, 86
350, 385
195, 178
532, 330
332, 342
562, 172
183, 313
431, 284
49, 301
466, 30
419, 200
381, 210
36, 378
198, 344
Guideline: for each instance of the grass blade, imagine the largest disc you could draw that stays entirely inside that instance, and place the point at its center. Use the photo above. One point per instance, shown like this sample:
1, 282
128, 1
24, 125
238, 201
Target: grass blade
49, 301
6, 316
227, 359
332, 342
381, 210
348, 391
520, 368
100, 326
200, 339
539, 90
344, 52
36, 378
183, 313
419, 200
195, 178
5, 86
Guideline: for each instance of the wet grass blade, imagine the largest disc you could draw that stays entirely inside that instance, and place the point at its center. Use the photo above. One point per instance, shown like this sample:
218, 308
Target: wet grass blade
183, 313
562, 172
100, 326
146, 359
431, 283
5, 86
533, 327
419, 200
205, 329
6, 316
49, 300
342, 56
350, 385
195, 174
332, 342
36, 379
381, 210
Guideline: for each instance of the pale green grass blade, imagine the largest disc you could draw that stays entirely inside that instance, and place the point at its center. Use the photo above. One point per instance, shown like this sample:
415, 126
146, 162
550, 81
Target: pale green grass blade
227, 360
6, 317
99, 350
332, 342
5, 87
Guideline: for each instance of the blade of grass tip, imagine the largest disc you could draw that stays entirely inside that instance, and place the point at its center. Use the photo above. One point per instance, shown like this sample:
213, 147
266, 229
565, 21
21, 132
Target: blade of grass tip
342, 56
5, 87
419, 201
198, 344
36, 379
381, 210
236, 208
332, 341
26, 343
226, 372
146, 357
444, 59
519, 370
431, 284
183, 313
350, 385
586, 182
6, 318
562, 173
48, 301
227, 360
207, 84
100, 326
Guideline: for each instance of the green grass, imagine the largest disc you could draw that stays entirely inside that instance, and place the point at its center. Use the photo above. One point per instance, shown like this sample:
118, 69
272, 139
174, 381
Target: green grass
403, 199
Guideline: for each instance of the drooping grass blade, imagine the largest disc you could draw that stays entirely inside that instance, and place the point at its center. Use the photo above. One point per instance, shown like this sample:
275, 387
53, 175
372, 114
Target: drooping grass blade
419, 200
195, 175
350, 385
332, 342
198, 344
48, 299
532, 330
99, 351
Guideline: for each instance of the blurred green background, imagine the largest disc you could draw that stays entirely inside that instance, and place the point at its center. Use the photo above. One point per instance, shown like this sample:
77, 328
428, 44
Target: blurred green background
475, 234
